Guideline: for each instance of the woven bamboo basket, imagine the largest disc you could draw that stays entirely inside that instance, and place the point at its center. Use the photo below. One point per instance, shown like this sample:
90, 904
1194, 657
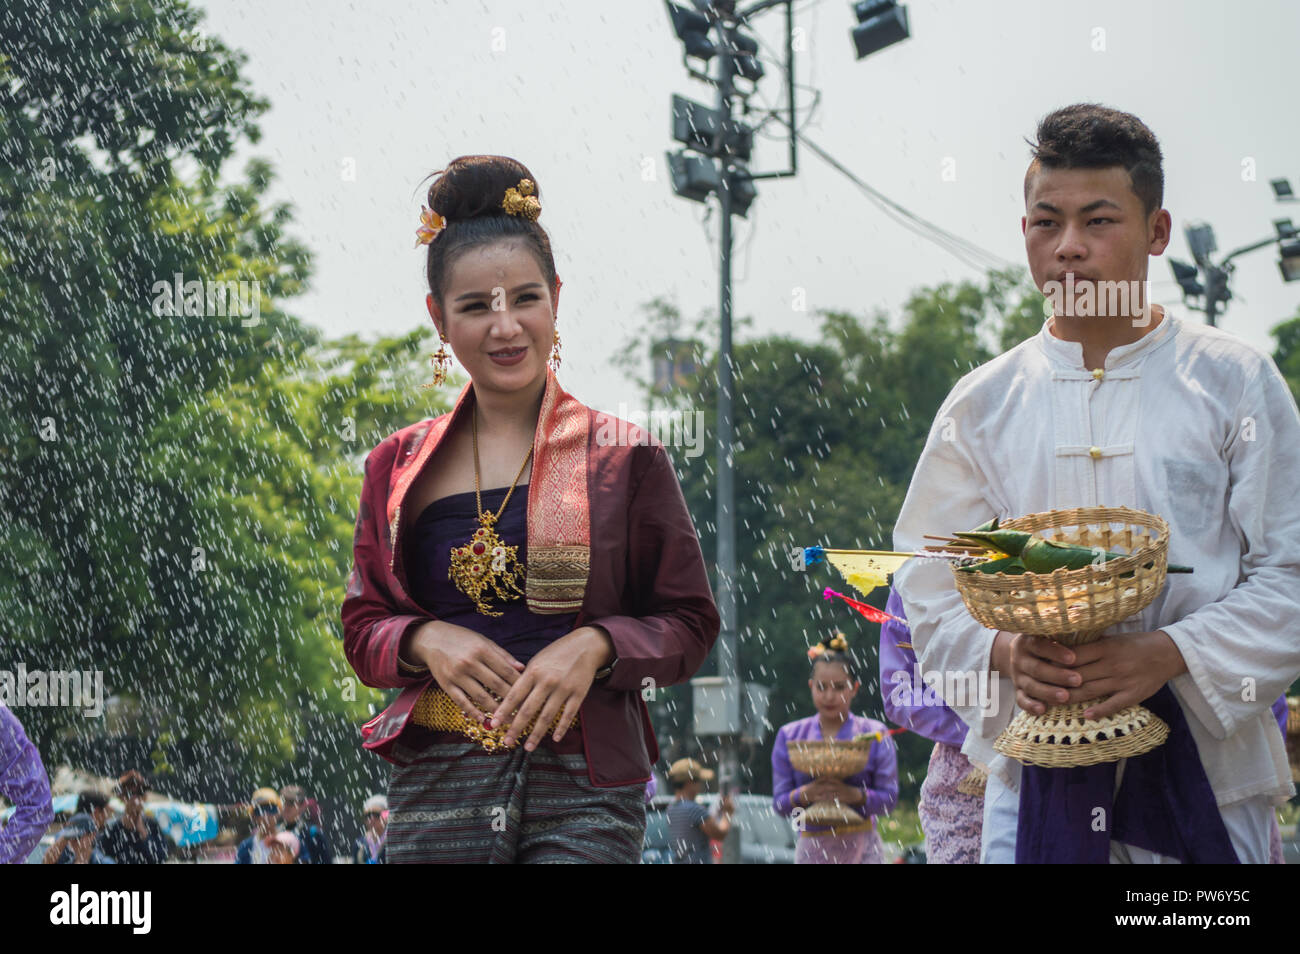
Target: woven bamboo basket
1074, 607
833, 759
975, 781
1062, 738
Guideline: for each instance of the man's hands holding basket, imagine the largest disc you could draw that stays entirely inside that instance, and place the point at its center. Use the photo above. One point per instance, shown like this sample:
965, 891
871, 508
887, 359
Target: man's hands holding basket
1126, 667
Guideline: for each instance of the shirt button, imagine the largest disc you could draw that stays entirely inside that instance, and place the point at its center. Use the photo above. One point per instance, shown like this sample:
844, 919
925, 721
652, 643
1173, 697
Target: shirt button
1098, 373
1094, 452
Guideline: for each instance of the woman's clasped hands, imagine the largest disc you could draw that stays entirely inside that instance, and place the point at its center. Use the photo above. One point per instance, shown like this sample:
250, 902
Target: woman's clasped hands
484, 679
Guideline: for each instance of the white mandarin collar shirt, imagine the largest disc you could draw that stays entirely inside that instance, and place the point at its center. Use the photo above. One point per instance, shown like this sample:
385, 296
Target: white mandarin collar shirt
1187, 422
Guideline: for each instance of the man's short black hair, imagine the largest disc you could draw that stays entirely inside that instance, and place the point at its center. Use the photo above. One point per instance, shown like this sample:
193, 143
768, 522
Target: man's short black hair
89, 800
1089, 136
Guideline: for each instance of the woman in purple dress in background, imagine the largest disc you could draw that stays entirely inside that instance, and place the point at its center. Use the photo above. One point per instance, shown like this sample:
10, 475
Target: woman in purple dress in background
871, 792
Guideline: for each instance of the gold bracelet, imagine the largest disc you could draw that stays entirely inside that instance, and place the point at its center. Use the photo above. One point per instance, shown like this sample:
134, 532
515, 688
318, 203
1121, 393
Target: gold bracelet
405, 666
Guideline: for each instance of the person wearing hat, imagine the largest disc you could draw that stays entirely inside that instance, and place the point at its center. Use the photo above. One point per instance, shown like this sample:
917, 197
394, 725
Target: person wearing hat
78, 837
314, 847
690, 826
92, 803
265, 812
134, 838
370, 847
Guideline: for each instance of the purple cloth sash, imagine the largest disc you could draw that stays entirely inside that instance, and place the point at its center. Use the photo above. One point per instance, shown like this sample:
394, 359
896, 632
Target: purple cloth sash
1165, 804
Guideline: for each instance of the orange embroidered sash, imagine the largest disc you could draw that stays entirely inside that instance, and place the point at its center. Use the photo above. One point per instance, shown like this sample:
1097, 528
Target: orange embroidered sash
559, 511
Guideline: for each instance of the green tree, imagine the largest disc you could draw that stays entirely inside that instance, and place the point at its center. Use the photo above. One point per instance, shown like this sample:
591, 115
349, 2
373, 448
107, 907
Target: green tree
1287, 352
179, 485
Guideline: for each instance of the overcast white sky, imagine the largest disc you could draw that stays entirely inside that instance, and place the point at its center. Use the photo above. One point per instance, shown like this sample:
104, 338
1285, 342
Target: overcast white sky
580, 93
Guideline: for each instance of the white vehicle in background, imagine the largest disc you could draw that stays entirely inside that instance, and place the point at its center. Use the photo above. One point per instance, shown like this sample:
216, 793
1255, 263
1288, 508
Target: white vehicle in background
765, 837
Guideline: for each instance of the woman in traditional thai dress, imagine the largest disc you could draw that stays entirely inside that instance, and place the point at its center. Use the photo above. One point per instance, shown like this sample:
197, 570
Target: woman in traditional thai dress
868, 794
525, 568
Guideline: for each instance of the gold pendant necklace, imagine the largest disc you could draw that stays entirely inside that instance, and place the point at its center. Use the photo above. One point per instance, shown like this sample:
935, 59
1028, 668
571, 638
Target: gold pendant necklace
486, 563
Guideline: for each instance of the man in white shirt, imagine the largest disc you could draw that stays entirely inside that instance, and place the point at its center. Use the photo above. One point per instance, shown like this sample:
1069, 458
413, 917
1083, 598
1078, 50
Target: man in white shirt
1115, 402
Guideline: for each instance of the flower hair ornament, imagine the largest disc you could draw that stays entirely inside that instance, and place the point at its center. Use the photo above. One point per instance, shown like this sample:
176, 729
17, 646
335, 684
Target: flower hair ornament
431, 226
519, 200
836, 643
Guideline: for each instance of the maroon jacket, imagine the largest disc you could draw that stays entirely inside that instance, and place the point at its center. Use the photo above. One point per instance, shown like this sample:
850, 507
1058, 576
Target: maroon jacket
646, 583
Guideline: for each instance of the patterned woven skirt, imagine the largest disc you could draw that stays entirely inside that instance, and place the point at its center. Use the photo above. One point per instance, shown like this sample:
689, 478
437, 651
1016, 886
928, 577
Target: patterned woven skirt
951, 820
855, 848
455, 803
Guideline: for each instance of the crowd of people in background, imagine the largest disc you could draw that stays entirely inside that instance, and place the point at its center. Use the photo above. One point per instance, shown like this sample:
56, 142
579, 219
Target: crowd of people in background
285, 824
284, 835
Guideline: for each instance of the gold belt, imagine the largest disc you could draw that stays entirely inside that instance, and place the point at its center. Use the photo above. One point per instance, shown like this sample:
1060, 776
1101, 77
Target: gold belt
837, 830
436, 710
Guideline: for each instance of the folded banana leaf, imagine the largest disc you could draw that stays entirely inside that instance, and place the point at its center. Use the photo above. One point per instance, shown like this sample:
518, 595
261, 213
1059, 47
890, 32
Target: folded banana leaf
1008, 564
1015, 552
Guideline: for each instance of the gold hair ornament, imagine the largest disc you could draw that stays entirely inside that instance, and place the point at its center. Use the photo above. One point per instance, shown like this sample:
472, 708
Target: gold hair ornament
521, 200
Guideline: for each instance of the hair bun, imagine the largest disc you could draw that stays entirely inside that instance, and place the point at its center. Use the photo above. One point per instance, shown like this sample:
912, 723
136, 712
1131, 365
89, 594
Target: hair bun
475, 186
477, 201
831, 644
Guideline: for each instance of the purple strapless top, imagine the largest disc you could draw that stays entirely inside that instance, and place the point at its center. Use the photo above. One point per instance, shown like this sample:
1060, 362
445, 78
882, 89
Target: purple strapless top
451, 522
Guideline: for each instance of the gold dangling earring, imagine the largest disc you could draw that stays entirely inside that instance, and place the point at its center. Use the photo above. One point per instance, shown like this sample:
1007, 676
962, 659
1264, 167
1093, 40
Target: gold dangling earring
555, 354
441, 361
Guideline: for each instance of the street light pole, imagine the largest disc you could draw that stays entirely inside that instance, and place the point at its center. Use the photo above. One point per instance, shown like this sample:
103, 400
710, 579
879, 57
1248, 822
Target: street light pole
728, 666
1216, 285
882, 23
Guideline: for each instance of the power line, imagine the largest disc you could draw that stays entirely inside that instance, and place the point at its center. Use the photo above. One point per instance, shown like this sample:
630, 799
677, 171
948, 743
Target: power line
964, 250
968, 252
